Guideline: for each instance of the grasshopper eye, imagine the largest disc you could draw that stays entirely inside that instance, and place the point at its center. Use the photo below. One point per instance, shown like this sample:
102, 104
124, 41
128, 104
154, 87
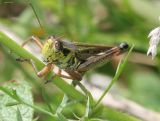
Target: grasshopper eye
58, 45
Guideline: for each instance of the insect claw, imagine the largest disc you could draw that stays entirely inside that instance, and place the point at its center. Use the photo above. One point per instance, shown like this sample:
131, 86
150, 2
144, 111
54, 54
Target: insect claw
47, 81
18, 59
22, 59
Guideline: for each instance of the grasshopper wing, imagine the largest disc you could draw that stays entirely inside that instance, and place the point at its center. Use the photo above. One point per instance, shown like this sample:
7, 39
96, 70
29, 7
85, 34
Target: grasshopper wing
85, 51
103, 56
84, 48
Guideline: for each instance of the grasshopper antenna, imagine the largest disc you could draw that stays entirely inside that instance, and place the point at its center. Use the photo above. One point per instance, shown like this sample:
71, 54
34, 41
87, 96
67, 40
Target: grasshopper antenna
34, 11
58, 38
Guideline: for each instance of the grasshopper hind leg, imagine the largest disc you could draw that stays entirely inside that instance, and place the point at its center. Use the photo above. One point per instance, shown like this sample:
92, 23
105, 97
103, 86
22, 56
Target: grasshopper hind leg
75, 75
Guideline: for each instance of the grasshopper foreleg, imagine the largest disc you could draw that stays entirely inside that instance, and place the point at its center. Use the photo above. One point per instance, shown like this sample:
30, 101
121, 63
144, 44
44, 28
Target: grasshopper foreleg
41, 73
45, 70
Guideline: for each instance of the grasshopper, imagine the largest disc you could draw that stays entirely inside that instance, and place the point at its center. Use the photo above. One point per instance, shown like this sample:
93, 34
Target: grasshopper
73, 58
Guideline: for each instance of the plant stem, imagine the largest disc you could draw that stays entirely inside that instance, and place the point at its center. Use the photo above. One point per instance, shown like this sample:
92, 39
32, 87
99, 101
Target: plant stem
118, 73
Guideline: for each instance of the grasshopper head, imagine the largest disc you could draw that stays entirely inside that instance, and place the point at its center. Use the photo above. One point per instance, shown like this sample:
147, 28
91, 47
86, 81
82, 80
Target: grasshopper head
51, 49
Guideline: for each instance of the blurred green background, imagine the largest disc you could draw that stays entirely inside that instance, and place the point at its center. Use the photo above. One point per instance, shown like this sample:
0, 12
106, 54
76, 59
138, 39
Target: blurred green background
89, 21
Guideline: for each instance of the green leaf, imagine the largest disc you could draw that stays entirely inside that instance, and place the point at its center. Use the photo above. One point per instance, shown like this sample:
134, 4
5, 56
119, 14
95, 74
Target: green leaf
19, 117
11, 109
15, 97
